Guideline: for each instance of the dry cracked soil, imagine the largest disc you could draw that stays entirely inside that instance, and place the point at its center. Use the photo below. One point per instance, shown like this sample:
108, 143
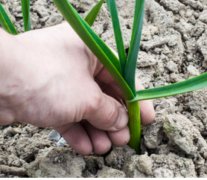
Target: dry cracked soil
173, 48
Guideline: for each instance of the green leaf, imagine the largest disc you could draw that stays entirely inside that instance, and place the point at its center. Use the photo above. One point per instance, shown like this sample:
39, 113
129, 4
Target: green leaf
91, 16
94, 43
117, 32
6, 22
26, 14
130, 68
189, 85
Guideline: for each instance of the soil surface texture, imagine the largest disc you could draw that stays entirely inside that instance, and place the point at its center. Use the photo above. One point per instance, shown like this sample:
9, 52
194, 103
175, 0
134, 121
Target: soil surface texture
173, 48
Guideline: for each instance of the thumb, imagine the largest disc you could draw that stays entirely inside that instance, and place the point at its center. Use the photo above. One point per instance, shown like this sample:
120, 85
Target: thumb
106, 113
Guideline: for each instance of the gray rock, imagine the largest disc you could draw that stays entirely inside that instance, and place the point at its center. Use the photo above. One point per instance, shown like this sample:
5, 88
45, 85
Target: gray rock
181, 132
54, 136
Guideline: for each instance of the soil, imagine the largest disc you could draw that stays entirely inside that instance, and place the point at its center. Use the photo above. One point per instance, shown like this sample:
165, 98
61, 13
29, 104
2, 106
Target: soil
173, 48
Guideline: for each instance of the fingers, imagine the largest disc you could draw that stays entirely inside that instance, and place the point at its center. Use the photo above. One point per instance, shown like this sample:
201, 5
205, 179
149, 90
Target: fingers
146, 108
119, 138
78, 138
105, 113
99, 139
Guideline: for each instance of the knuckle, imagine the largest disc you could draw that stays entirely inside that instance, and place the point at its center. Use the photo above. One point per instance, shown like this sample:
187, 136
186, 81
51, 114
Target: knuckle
111, 116
94, 102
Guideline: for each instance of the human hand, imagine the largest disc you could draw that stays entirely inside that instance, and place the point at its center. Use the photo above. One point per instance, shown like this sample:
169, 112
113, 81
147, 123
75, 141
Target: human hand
51, 79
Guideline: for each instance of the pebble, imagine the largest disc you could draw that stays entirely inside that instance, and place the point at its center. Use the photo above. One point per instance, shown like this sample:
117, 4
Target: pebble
192, 71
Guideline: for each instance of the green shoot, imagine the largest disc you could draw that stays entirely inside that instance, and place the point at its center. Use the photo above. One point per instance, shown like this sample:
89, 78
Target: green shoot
6, 22
123, 67
130, 68
91, 16
26, 14
116, 65
117, 32
96, 45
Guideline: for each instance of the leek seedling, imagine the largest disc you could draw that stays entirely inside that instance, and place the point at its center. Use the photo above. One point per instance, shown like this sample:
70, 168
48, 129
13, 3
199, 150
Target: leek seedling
26, 14
6, 22
123, 67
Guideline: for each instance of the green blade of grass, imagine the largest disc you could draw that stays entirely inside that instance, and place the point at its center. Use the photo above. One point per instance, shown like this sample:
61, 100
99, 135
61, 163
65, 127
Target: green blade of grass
96, 45
189, 85
6, 22
130, 68
117, 32
26, 14
93, 13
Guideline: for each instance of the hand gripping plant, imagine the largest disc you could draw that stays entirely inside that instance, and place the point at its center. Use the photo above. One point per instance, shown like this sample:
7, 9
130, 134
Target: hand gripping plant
121, 67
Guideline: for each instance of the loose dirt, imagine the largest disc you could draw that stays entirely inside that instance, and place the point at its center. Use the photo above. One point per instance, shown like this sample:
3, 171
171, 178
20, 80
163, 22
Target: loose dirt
173, 48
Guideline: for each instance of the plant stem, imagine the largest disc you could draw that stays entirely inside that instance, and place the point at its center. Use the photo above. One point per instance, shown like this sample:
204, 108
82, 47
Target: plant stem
134, 125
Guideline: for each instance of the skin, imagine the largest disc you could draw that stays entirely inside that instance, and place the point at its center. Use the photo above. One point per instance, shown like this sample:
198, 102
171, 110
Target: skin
49, 78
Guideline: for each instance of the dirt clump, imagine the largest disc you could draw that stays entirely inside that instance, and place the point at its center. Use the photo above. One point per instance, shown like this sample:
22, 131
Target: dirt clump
173, 48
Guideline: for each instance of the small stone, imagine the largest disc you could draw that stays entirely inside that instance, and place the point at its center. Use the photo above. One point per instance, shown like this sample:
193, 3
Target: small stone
54, 19
54, 136
62, 142
145, 164
172, 67
192, 71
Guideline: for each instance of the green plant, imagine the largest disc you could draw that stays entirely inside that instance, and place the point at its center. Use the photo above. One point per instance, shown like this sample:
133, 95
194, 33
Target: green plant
26, 14
7, 23
121, 67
